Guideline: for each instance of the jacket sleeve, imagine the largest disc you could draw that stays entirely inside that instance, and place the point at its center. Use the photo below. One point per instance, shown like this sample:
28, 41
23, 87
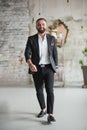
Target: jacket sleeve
28, 52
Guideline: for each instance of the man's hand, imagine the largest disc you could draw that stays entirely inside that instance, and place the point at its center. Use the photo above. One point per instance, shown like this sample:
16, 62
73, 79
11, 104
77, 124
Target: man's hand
32, 67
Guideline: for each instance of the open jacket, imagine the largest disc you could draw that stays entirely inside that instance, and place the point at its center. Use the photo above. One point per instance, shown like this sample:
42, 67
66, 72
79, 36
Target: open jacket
32, 50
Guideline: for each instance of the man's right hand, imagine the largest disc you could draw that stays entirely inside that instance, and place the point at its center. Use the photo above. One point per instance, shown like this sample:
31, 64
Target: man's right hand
33, 68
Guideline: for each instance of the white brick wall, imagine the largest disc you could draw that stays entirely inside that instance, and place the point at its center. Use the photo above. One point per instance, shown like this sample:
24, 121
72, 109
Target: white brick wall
14, 19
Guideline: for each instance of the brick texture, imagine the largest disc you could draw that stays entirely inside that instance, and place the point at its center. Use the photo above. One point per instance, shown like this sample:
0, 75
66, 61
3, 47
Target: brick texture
14, 19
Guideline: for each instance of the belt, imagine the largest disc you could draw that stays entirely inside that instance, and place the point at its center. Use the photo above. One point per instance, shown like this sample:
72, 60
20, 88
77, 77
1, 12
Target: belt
44, 65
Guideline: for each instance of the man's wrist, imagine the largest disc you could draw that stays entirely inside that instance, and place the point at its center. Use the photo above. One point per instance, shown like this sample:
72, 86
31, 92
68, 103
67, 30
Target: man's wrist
29, 62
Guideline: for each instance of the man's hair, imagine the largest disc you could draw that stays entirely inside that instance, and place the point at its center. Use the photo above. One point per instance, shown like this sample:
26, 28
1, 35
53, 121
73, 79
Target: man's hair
41, 19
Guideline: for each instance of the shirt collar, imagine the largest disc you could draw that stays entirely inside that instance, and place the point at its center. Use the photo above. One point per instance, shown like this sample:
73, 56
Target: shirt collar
41, 37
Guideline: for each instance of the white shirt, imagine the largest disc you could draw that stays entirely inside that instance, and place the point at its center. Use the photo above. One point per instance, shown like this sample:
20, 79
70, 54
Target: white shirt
43, 50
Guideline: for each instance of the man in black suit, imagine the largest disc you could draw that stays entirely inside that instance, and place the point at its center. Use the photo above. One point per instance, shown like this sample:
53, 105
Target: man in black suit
42, 59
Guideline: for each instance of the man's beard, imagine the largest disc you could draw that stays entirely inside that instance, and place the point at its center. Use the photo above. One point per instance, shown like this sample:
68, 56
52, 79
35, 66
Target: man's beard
41, 31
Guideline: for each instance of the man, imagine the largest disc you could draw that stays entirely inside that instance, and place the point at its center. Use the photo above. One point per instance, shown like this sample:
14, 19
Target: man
42, 59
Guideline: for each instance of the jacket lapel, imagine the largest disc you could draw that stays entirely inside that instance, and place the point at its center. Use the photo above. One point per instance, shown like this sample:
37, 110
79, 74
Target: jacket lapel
48, 42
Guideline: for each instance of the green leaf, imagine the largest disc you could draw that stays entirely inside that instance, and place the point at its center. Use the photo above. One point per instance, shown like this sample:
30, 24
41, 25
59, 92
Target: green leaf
85, 51
81, 62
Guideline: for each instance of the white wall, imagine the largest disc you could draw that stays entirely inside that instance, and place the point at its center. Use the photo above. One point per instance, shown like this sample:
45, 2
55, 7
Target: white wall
17, 21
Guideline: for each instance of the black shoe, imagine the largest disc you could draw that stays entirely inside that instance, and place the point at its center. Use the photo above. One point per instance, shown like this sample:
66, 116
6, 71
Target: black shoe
50, 118
41, 114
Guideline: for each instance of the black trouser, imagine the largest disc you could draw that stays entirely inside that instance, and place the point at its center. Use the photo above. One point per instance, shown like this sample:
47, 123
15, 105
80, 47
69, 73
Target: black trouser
45, 75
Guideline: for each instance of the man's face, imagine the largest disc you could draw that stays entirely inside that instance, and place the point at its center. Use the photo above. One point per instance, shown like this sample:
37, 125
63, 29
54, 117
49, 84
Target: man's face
41, 26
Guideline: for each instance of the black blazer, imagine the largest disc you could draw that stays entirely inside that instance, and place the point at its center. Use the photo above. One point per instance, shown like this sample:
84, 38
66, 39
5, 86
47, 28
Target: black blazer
32, 50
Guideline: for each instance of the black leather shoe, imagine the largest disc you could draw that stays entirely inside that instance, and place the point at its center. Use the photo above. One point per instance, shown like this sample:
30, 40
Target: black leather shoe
50, 118
41, 114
